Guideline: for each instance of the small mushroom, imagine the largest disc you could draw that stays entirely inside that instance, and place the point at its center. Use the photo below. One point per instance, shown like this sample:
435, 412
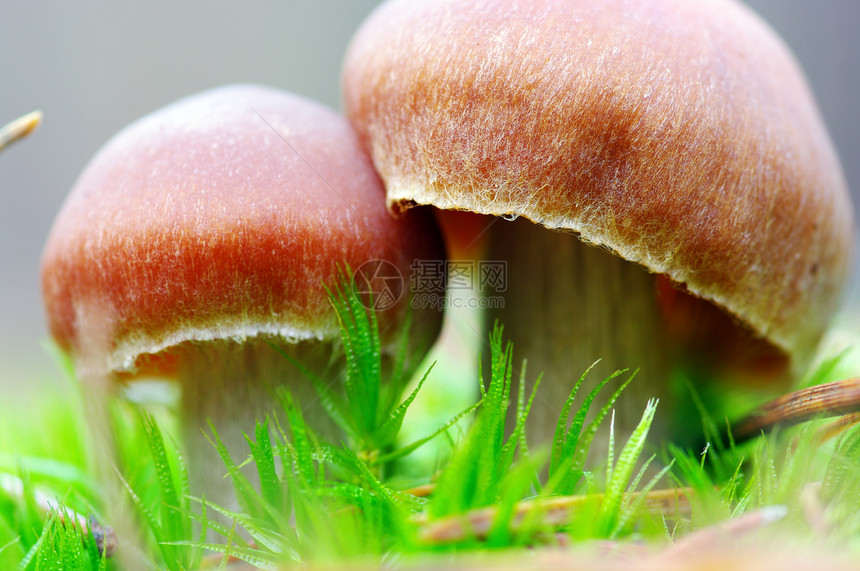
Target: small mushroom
663, 141
203, 235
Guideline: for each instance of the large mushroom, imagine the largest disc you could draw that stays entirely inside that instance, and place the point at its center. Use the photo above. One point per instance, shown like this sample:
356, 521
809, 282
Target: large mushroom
643, 145
199, 240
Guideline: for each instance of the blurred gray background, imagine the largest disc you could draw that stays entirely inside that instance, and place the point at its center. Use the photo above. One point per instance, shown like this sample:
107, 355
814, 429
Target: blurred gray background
93, 67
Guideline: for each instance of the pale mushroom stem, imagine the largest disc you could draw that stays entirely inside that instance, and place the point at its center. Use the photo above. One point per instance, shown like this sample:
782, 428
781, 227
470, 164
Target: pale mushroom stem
568, 304
249, 373
19, 128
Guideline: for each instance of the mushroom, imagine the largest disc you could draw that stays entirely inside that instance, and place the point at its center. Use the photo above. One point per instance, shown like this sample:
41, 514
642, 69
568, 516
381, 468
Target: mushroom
197, 244
642, 146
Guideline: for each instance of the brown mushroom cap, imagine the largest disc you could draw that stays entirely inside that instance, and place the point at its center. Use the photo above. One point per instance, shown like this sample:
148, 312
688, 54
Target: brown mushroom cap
219, 217
681, 135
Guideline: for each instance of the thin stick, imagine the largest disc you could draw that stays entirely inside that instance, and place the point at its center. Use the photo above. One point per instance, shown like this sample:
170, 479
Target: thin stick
555, 512
422, 491
836, 427
821, 401
19, 128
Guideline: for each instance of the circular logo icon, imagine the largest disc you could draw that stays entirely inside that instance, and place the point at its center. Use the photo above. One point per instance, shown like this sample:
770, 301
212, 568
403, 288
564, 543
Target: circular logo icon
378, 284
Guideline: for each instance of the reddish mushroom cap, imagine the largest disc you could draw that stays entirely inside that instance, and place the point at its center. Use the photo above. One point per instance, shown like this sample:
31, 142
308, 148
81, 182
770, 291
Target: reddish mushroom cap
679, 134
219, 217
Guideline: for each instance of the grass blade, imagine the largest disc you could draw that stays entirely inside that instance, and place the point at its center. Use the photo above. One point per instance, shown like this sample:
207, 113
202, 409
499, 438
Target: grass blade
385, 434
618, 475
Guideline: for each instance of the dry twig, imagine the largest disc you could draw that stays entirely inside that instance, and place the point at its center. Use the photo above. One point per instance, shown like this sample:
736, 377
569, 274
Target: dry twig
821, 401
553, 511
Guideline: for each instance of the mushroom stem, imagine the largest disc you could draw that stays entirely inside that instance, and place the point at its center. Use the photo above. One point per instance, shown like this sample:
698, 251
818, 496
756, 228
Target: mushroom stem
19, 128
568, 304
249, 372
